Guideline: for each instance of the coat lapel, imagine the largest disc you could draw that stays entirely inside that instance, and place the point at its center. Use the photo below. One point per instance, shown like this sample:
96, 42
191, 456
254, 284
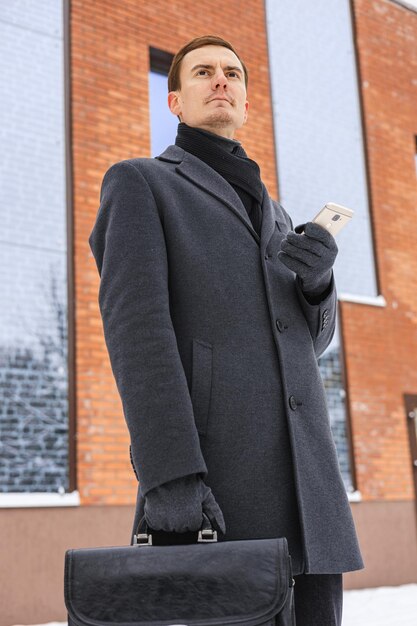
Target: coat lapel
205, 177
268, 220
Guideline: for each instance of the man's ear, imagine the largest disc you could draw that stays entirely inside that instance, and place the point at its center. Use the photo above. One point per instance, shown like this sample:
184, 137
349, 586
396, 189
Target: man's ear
173, 103
246, 112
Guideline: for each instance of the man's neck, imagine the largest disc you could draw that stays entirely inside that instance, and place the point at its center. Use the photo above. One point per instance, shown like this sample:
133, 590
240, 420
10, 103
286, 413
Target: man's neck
226, 133
226, 142
223, 132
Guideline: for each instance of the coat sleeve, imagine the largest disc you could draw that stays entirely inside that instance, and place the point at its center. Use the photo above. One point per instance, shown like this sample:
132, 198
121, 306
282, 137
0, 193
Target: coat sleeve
320, 312
128, 245
321, 317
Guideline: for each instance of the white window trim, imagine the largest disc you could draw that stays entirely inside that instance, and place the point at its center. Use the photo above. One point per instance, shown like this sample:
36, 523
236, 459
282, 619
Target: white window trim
372, 300
412, 5
354, 496
33, 500
26, 500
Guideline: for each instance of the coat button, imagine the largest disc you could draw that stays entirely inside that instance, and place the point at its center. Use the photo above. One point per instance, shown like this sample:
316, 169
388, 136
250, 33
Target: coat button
280, 325
293, 403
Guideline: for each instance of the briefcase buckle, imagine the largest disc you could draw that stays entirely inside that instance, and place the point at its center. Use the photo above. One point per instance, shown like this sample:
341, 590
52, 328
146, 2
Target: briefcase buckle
142, 539
207, 534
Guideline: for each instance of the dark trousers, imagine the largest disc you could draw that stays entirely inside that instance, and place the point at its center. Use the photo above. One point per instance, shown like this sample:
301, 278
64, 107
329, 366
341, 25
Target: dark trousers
318, 599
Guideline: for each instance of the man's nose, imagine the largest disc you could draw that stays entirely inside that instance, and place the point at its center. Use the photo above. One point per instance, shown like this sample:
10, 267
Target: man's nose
219, 79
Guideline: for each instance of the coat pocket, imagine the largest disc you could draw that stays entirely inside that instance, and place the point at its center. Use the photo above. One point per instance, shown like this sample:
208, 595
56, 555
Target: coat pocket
201, 383
274, 243
282, 226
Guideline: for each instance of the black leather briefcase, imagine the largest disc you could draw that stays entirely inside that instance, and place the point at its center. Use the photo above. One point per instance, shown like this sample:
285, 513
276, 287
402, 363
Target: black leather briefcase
206, 583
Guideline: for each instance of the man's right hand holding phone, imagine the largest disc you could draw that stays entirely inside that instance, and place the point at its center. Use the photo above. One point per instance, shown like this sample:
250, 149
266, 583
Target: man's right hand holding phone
311, 255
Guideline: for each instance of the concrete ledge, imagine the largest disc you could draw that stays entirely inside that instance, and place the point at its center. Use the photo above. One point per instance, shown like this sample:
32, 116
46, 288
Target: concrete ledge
387, 535
33, 542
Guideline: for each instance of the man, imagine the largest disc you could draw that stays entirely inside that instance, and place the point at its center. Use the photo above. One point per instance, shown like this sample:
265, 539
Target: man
214, 313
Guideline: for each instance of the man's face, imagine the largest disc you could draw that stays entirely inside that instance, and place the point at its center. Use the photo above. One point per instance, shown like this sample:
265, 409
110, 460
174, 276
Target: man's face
197, 102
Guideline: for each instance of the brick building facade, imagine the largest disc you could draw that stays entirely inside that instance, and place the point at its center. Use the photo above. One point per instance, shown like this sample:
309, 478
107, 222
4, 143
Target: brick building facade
107, 52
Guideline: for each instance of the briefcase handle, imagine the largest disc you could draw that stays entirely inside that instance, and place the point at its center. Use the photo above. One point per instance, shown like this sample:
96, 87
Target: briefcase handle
204, 535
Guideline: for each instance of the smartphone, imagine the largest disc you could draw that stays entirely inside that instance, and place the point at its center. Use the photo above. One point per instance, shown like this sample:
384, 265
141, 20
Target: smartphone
333, 217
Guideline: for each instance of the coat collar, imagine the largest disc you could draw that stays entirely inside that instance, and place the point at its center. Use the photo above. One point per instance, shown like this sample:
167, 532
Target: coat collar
213, 183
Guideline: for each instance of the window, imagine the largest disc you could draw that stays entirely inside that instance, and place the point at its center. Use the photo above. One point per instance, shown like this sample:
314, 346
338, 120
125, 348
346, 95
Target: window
164, 124
318, 128
34, 410
331, 370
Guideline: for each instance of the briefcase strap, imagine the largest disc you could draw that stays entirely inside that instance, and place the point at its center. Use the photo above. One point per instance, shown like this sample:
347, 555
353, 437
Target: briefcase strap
205, 534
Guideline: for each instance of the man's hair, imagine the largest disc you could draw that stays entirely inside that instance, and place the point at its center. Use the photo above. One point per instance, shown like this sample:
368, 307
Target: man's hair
174, 82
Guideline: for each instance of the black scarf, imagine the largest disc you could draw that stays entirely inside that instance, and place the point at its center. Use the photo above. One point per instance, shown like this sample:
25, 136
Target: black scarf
230, 160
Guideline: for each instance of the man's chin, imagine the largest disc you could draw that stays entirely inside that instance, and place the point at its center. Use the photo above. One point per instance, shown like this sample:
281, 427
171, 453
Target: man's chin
219, 119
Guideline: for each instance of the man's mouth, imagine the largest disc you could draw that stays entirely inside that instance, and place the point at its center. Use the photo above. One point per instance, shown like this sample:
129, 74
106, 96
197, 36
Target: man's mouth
221, 99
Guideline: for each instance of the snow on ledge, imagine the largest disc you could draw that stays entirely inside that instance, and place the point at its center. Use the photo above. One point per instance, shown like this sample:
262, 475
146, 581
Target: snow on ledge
25, 500
28, 500
354, 496
372, 300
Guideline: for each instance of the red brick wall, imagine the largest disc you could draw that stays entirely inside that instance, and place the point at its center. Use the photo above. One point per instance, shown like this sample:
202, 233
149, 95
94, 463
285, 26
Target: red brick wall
381, 343
110, 121
110, 110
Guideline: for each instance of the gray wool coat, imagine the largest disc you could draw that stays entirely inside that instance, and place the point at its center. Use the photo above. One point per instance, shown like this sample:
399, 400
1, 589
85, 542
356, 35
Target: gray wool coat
214, 349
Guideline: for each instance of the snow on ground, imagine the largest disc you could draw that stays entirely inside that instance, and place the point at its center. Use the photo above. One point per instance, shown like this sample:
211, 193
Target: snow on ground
381, 606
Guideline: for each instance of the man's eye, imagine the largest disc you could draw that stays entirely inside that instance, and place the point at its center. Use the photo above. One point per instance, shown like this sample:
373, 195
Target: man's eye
232, 72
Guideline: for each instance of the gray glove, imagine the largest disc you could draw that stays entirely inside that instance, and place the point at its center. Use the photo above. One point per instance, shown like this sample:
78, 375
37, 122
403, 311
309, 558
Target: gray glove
310, 255
178, 505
